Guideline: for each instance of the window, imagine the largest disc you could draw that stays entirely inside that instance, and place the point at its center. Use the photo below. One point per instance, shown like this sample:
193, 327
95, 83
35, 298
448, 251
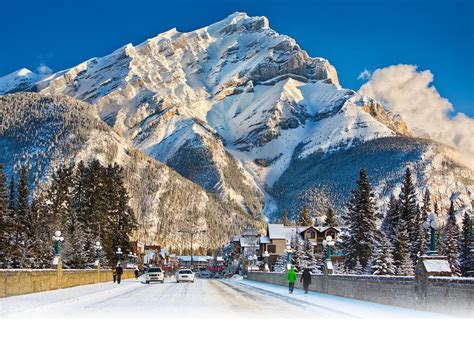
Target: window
312, 234
271, 248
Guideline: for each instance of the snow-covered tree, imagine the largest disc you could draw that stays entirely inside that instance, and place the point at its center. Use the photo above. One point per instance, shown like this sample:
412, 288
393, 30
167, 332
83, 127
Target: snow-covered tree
420, 245
297, 252
408, 211
284, 217
466, 238
309, 260
383, 262
451, 235
330, 219
401, 254
280, 263
4, 225
360, 240
304, 218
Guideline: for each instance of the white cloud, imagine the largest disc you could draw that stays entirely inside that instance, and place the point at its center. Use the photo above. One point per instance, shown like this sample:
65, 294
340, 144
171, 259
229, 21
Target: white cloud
43, 69
405, 90
365, 75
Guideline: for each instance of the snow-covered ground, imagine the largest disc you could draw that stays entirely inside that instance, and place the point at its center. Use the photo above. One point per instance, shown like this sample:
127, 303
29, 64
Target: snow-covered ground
202, 299
339, 305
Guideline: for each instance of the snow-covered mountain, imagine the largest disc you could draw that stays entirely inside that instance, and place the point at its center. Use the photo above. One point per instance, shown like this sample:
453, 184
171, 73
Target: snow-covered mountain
238, 109
44, 131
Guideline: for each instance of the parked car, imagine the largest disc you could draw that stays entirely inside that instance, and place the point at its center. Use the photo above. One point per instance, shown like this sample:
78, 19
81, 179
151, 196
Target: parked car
204, 274
184, 275
154, 274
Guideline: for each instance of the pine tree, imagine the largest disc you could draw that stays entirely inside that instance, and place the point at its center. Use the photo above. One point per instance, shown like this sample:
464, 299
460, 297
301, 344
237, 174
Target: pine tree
391, 218
360, 240
39, 233
284, 217
451, 233
76, 255
23, 242
408, 211
420, 245
401, 254
383, 263
465, 243
297, 253
304, 217
330, 218
309, 260
4, 230
280, 263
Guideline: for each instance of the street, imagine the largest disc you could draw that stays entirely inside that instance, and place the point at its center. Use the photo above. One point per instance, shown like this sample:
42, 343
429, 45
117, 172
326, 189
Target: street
202, 299
132, 298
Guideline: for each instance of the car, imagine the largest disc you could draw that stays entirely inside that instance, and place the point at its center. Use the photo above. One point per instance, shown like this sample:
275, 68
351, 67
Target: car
154, 274
204, 273
184, 275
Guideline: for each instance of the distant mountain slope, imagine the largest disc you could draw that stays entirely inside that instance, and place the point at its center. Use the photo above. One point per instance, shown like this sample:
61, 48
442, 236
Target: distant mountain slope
319, 179
45, 131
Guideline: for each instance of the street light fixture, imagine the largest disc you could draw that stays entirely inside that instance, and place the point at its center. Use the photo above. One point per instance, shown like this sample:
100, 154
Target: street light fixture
118, 254
58, 240
289, 251
329, 242
432, 223
98, 248
265, 256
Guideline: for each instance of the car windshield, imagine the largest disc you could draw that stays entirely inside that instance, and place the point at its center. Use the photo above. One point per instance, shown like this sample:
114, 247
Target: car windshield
185, 272
154, 269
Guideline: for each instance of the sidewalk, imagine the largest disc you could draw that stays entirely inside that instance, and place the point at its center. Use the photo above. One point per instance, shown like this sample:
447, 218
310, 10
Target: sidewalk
346, 307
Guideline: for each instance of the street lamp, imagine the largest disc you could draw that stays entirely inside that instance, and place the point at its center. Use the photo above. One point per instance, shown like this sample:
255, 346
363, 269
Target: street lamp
288, 254
432, 223
57, 245
255, 258
98, 248
266, 255
118, 255
328, 242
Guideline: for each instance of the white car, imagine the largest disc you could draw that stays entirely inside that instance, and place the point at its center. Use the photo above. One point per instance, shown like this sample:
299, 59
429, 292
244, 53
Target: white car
154, 274
184, 275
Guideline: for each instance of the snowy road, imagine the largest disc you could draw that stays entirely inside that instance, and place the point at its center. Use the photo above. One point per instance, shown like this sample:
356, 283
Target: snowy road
204, 298
132, 298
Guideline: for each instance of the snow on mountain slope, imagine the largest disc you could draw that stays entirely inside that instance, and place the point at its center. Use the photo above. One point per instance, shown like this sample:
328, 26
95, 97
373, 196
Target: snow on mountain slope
231, 106
17, 81
45, 131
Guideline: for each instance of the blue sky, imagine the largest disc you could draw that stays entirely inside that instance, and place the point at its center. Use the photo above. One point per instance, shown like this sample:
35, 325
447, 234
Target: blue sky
353, 35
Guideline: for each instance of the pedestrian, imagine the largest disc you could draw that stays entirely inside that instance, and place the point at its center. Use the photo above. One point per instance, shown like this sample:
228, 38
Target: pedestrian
291, 278
114, 274
136, 272
306, 279
119, 273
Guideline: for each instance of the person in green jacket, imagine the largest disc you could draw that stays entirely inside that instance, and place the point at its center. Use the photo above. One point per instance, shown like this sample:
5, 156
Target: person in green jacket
291, 278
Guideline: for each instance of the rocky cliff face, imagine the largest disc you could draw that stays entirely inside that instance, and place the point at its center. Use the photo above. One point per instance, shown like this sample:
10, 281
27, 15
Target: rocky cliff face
232, 106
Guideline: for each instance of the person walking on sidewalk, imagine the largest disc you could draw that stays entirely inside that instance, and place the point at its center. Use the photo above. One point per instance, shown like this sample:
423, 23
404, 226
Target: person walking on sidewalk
114, 273
306, 279
291, 278
119, 271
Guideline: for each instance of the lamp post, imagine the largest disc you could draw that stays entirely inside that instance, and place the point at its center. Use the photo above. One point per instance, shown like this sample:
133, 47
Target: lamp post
328, 242
57, 245
118, 255
98, 248
192, 232
255, 258
288, 254
432, 223
265, 256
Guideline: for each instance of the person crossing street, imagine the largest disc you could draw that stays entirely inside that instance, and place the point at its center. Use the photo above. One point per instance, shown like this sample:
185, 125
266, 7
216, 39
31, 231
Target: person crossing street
291, 278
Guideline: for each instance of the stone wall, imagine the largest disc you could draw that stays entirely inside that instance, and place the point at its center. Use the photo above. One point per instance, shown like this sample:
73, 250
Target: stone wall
19, 282
449, 295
